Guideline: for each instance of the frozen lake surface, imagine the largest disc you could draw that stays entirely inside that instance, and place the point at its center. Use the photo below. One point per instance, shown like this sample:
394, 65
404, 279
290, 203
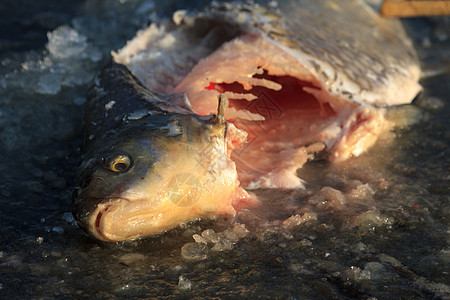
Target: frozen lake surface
373, 227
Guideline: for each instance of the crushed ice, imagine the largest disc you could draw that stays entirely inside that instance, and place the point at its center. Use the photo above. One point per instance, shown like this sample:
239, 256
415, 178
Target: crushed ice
184, 284
211, 241
68, 62
65, 42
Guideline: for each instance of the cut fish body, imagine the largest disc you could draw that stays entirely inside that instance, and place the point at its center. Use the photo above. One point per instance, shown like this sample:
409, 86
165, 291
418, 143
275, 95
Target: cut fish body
301, 78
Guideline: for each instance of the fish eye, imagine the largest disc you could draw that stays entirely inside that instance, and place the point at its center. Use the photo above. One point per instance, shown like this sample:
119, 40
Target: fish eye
118, 163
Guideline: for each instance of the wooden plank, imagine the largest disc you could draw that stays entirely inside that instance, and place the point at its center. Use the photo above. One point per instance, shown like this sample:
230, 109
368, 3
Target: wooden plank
415, 8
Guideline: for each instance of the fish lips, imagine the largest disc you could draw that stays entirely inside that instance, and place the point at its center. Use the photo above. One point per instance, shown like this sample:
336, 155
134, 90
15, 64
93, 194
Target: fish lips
88, 213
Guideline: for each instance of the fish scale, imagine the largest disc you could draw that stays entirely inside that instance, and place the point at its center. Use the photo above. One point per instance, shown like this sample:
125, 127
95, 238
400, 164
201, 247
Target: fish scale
335, 36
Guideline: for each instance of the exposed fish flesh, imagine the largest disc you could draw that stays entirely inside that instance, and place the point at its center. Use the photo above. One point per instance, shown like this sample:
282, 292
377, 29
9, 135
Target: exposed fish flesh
294, 79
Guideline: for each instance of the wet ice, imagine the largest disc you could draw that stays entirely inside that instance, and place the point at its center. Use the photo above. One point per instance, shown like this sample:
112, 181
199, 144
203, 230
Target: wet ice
372, 227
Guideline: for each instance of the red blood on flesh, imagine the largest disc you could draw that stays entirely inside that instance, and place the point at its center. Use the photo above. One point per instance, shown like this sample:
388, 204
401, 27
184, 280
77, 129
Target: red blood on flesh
291, 100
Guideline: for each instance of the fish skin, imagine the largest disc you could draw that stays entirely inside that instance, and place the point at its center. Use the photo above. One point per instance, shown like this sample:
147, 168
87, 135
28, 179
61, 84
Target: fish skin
106, 111
124, 116
333, 44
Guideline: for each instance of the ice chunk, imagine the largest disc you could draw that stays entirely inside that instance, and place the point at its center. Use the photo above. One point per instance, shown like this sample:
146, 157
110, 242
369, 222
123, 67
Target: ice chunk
297, 219
351, 184
221, 241
65, 42
240, 230
230, 235
362, 192
177, 268
299, 268
360, 247
328, 198
131, 258
376, 269
222, 245
371, 218
68, 217
355, 273
194, 251
184, 284
199, 239
58, 229
305, 243
210, 236
68, 62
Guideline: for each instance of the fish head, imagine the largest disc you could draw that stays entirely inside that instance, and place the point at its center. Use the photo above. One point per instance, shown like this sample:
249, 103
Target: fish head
147, 181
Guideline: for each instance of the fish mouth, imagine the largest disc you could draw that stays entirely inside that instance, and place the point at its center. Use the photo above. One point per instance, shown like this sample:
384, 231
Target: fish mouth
119, 219
101, 218
98, 232
116, 220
